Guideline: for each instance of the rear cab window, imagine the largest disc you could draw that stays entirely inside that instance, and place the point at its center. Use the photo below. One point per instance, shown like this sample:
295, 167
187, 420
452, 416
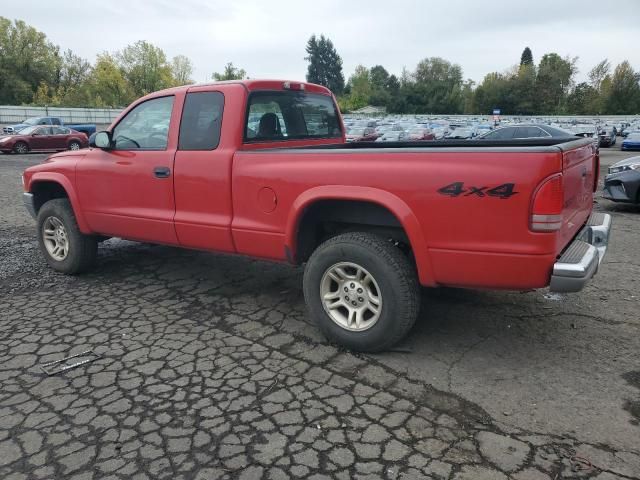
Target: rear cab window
290, 115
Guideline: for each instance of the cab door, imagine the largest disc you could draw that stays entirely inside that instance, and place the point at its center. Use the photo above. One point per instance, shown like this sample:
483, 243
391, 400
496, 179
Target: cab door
127, 191
203, 169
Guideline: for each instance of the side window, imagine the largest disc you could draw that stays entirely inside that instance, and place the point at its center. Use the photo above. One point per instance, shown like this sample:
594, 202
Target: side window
43, 131
201, 121
146, 127
55, 121
60, 131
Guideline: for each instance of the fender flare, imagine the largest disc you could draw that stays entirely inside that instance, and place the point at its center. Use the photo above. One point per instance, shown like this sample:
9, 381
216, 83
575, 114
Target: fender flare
385, 199
65, 183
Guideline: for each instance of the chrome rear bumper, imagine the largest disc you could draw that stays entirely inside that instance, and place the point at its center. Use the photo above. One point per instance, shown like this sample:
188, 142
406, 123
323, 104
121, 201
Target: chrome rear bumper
580, 261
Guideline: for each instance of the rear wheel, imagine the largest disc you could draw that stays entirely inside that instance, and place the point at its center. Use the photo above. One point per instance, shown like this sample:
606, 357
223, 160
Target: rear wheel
74, 145
21, 147
64, 246
362, 291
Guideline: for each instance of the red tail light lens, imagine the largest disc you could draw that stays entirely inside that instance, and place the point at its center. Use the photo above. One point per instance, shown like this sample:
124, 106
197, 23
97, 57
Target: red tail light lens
546, 210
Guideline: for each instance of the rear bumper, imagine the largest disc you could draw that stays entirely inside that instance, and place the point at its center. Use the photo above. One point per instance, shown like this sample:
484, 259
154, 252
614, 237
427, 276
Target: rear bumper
580, 261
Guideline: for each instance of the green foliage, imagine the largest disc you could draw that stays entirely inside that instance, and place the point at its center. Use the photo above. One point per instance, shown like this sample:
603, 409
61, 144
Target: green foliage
27, 59
527, 57
145, 68
33, 71
230, 73
108, 85
325, 65
624, 93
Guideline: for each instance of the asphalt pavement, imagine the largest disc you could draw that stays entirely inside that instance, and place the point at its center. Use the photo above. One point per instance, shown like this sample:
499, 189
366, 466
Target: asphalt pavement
209, 367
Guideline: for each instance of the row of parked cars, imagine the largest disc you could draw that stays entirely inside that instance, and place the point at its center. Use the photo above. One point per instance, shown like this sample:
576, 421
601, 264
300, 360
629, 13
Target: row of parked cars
423, 128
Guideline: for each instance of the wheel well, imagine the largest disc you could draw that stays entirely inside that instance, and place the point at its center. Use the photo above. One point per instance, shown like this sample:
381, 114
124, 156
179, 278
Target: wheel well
45, 191
327, 218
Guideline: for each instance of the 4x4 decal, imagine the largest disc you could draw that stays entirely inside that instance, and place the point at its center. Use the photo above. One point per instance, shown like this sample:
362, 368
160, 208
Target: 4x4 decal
457, 189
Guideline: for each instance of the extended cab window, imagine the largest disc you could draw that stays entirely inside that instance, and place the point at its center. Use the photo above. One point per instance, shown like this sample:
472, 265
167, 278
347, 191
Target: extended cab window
201, 121
290, 116
146, 127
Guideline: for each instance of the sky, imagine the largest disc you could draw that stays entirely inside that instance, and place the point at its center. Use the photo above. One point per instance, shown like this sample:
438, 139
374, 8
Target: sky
267, 38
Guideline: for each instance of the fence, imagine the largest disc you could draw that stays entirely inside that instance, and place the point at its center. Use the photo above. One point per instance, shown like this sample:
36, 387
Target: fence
99, 116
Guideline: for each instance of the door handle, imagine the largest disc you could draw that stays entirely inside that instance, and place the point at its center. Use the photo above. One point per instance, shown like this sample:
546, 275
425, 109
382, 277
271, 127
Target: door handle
162, 172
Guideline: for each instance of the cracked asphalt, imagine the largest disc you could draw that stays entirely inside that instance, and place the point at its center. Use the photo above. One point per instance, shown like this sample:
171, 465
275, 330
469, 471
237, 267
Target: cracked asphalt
210, 368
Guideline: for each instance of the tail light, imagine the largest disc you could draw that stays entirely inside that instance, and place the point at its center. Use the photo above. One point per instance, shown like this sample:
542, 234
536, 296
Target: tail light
546, 209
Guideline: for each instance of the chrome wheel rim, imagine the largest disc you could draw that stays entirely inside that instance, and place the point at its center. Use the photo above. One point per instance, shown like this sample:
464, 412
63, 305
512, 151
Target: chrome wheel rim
55, 238
351, 296
74, 146
21, 148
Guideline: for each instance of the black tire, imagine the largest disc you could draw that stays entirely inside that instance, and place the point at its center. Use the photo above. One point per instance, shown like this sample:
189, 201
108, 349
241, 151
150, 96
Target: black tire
393, 272
82, 248
20, 147
74, 143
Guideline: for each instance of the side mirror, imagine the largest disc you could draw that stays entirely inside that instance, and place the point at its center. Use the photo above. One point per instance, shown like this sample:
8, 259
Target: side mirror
101, 140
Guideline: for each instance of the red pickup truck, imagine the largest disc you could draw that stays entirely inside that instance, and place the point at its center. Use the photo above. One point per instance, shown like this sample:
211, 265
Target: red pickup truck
261, 168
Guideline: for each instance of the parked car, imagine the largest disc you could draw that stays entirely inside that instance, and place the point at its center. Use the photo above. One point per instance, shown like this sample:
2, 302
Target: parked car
632, 141
42, 139
622, 184
419, 133
361, 134
461, 133
516, 132
607, 136
392, 136
371, 223
87, 129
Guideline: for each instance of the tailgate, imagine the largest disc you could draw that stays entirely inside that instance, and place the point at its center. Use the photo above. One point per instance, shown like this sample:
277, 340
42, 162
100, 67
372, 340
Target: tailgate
579, 176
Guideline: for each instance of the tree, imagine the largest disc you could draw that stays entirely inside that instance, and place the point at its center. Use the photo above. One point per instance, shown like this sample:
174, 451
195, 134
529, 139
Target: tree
436, 87
325, 65
598, 73
554, 79
27, 59
230, 73
583, 100
108, 85
145, 67
181, 70
527, 57
360, 89
624, 95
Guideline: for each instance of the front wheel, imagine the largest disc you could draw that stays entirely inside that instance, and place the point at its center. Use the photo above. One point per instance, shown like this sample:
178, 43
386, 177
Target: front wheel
64, 246
362, 291
74, 145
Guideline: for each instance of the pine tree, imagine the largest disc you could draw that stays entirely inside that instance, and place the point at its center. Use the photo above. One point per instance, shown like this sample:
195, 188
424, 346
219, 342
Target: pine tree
325, 65
527, 57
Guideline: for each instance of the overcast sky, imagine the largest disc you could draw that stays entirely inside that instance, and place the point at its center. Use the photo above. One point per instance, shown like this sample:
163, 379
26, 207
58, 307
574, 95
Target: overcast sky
267, 38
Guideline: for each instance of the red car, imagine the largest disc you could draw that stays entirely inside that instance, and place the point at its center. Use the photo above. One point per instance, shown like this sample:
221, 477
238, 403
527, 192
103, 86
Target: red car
43, 138
370, 222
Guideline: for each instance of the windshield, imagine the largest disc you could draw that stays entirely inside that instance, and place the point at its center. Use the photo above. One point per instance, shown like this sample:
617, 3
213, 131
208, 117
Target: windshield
31, 121
28, 130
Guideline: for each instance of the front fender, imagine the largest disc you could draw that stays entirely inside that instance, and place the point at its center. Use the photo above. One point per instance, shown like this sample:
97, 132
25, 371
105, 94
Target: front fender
374, 195
63, 181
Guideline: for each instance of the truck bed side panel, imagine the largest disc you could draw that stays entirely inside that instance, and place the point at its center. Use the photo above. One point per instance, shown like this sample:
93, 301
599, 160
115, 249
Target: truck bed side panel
467, 204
